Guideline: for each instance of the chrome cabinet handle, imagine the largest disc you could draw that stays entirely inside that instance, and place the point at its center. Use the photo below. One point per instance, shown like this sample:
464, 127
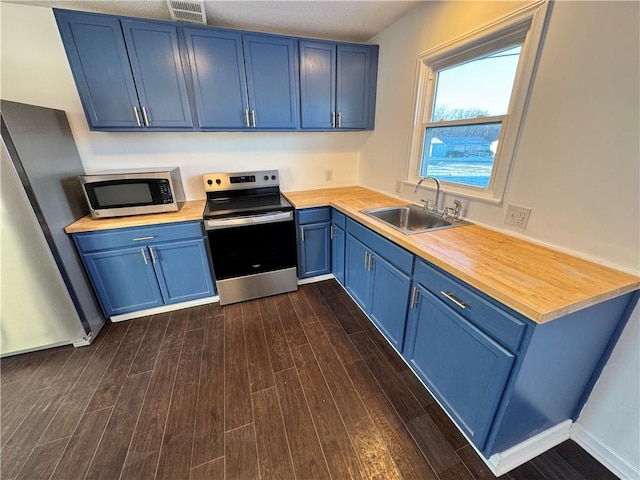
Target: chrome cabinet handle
333, 119
253, 118
144, 257
140, 239
135, 112
366, 261
153, 255
450, 297
302, 234
144, 115
370, 261
246, 118
414, 297
338, 115
331, 232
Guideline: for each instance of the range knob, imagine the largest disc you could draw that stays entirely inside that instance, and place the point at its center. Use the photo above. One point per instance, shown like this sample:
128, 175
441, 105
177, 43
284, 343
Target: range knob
266, 177
218, 181
209, 182
273, 177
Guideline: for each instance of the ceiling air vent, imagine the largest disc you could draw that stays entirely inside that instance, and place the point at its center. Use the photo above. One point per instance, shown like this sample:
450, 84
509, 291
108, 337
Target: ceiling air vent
187, 11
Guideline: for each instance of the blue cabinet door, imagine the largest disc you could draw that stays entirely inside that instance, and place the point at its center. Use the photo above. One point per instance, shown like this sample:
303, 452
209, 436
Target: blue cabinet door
157, 70
356, 86
315, 250
98, 58
182, 270
389, 300
317, 84
461, 365
358, 277
219, 82
337, 253
272, 79
124, 279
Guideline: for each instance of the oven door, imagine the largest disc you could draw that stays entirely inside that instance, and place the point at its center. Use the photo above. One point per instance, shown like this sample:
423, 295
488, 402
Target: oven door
243, 246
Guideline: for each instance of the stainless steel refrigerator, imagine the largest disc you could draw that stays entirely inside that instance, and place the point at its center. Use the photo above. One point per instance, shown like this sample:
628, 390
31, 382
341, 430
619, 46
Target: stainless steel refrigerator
46, 299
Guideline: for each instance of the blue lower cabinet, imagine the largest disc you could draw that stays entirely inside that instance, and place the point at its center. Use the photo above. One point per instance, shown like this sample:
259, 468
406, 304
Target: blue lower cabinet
358, 278
124, 280
314, 241
381, 289
314, 252
389, 300
182, 270
464, 368
338, 238
138, 268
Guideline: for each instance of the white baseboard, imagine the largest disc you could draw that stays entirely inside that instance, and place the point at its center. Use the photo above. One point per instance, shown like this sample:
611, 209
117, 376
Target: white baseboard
319, 278
164, 308
501, 463
611, 459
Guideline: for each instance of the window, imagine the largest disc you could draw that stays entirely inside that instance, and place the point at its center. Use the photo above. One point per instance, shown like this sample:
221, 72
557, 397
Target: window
471, 96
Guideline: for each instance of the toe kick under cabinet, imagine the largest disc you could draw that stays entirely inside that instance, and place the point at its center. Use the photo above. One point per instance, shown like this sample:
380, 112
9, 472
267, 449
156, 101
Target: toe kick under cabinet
138, 268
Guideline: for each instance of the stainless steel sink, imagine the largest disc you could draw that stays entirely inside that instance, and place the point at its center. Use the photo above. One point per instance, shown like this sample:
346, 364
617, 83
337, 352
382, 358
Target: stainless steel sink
412, 219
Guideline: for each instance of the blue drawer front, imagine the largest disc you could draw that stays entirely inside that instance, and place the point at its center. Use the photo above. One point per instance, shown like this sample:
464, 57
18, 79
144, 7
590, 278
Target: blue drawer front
338, 219
126, 237
314, 215
491, 319
398, 256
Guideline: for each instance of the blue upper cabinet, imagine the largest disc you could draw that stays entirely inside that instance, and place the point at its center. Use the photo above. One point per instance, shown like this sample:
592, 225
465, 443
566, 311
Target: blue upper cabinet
272, 80
219, 81
356, 86
338, 85
129, 73
98, 58
318, 84
158, 74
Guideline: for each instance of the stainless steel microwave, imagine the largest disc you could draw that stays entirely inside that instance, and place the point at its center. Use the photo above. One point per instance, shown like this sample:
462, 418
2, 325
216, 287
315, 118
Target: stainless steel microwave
133, 192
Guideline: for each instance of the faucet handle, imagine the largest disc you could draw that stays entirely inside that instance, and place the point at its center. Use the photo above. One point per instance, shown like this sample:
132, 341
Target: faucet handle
427, 204
457, 210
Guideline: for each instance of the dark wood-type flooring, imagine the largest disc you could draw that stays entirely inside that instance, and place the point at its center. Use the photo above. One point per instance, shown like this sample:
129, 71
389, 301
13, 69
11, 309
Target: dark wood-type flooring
292, 386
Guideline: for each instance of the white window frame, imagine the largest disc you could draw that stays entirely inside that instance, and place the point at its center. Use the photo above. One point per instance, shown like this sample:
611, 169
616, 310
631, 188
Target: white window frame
526, 27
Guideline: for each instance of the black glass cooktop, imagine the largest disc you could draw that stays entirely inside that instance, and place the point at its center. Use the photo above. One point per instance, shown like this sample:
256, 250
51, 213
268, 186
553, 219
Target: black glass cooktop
246, 205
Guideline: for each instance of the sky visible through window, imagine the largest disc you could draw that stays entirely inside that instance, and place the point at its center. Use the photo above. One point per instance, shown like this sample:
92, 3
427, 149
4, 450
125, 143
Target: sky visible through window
481, 87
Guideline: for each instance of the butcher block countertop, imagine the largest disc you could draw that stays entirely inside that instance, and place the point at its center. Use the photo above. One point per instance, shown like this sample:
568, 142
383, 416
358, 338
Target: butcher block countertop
188, 211
540, 283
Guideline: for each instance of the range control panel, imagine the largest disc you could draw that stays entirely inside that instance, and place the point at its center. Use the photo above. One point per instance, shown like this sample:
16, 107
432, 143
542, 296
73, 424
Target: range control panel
214, 182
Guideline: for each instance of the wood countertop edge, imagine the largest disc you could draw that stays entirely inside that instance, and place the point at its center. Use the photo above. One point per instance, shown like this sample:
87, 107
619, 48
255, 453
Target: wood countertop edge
189, 211
536, 315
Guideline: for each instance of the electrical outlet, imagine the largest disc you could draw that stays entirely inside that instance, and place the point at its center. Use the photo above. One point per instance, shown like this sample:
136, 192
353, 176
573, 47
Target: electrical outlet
398, 186
517, 216
328, 175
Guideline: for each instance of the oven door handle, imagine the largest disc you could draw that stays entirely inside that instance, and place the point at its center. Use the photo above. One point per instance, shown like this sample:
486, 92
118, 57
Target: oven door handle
250, 220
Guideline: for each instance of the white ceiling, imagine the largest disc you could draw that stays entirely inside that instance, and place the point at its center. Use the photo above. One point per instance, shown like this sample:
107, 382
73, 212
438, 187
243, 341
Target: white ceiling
356, 21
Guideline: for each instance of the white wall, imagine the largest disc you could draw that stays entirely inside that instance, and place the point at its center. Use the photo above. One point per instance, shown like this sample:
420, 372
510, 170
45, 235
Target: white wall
577, 165
35, 70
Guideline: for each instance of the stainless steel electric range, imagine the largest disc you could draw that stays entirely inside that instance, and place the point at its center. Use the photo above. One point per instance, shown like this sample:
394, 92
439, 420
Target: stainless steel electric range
252, 235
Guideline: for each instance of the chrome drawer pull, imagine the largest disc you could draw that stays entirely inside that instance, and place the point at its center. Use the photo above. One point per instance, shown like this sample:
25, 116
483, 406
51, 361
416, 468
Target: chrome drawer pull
453, 299
140, 239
